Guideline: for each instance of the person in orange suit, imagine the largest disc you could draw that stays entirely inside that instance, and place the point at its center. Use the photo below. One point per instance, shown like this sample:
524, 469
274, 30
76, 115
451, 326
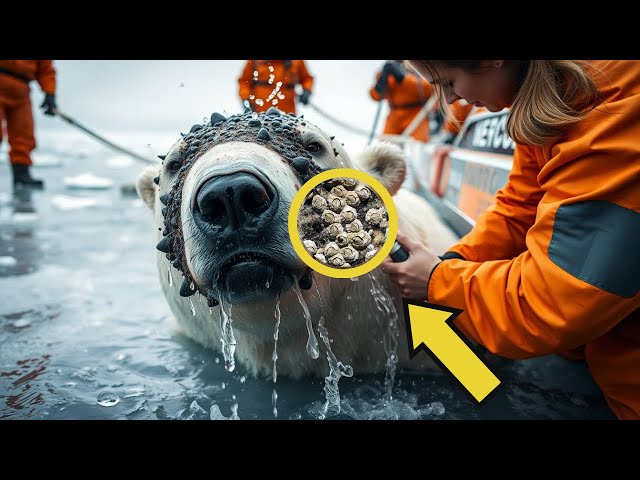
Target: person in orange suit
458, 113
553, 267
406, 94
15, 110
271, 83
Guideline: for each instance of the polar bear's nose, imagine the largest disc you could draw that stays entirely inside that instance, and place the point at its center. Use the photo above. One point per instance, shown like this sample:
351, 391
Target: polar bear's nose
233, 199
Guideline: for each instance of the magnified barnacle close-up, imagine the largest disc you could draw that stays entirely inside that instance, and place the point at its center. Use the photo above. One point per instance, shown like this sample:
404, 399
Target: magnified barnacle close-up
342, 223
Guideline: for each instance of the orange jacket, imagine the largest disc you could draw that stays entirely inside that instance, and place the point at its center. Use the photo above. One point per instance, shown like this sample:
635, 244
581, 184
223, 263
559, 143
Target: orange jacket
259, 83
405, 99
40, 70
554, 265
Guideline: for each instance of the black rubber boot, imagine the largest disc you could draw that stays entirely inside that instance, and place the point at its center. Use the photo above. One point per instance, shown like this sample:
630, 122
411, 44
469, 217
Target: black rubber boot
22, 177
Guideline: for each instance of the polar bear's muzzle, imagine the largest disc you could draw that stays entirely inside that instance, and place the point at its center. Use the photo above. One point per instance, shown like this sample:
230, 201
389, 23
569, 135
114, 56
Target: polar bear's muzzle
236, 212
235, 204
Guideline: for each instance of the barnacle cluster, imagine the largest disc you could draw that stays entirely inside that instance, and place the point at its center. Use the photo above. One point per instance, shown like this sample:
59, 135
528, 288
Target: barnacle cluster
342, 223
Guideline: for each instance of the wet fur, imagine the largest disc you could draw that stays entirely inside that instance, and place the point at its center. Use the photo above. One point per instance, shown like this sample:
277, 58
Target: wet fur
358, 340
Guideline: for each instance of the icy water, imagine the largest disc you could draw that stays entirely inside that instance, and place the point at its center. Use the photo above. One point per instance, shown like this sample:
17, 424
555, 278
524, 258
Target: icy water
84, 330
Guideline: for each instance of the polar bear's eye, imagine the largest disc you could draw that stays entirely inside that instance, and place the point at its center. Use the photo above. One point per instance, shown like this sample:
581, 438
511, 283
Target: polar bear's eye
313, 147
174, 166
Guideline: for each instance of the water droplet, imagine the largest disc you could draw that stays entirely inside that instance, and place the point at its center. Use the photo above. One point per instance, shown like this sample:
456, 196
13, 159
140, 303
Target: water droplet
274, 401
345, 370
108, 399
193, 309
224, 385
243, 379
192, 286
210, 310
181, 84
267, 284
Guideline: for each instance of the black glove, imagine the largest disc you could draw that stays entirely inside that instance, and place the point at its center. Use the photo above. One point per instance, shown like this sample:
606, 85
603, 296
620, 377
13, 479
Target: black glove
382, 83
395, 69
304, 97
49, 104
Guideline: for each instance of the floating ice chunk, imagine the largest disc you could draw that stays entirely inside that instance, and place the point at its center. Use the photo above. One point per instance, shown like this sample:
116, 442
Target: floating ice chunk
194, 412
87, 181
8, 262
66, 202
216, 414
119, 161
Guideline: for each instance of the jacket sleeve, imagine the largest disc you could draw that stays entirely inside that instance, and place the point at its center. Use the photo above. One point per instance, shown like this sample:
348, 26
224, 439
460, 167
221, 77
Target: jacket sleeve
304, 78
500, 231
572, 284
46, 76
244, 81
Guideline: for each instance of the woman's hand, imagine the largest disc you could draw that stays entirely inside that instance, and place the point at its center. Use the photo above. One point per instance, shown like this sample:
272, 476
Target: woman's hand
412, 275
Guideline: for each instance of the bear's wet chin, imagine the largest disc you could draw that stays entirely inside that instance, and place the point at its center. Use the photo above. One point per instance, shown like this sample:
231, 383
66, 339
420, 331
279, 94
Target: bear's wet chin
253, 280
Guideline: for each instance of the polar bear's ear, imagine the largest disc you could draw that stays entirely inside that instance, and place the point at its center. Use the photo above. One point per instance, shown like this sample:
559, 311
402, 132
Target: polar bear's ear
387, 163
145, 185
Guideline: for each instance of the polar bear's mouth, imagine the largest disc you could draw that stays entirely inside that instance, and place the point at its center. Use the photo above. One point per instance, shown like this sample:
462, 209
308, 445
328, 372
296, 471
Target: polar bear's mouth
243, 258
248, 276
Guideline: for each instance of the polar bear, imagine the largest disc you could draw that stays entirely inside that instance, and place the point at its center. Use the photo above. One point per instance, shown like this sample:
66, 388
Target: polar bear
227, 267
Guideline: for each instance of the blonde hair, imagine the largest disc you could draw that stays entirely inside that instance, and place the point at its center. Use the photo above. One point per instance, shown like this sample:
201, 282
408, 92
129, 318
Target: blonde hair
552, 96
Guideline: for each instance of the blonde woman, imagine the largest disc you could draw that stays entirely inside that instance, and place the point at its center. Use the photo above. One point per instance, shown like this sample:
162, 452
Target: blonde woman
554, 265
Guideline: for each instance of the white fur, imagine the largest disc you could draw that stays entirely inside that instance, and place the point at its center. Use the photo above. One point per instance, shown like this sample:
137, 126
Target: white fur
351, 317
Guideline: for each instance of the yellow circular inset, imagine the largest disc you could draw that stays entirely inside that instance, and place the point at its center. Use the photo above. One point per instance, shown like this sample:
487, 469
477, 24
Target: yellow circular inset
392, 229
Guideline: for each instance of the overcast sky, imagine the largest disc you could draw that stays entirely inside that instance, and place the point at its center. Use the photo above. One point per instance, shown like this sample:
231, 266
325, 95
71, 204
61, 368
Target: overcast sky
168, 96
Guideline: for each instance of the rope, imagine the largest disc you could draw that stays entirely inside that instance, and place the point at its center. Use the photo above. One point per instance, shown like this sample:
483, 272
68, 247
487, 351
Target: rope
333, 119
71, 121
404, 137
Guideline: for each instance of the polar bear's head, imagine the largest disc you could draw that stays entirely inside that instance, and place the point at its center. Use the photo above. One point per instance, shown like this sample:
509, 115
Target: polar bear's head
222, 194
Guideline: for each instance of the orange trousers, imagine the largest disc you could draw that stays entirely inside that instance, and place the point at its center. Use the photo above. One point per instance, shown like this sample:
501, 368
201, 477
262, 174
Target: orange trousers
15, 111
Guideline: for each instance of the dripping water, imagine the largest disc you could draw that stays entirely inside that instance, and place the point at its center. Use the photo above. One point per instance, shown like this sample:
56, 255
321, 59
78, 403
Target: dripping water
385, 305
336, 369
312, 342
226, 338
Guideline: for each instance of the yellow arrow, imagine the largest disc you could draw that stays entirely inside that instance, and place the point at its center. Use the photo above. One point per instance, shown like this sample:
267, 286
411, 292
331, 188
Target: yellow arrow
430, 327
